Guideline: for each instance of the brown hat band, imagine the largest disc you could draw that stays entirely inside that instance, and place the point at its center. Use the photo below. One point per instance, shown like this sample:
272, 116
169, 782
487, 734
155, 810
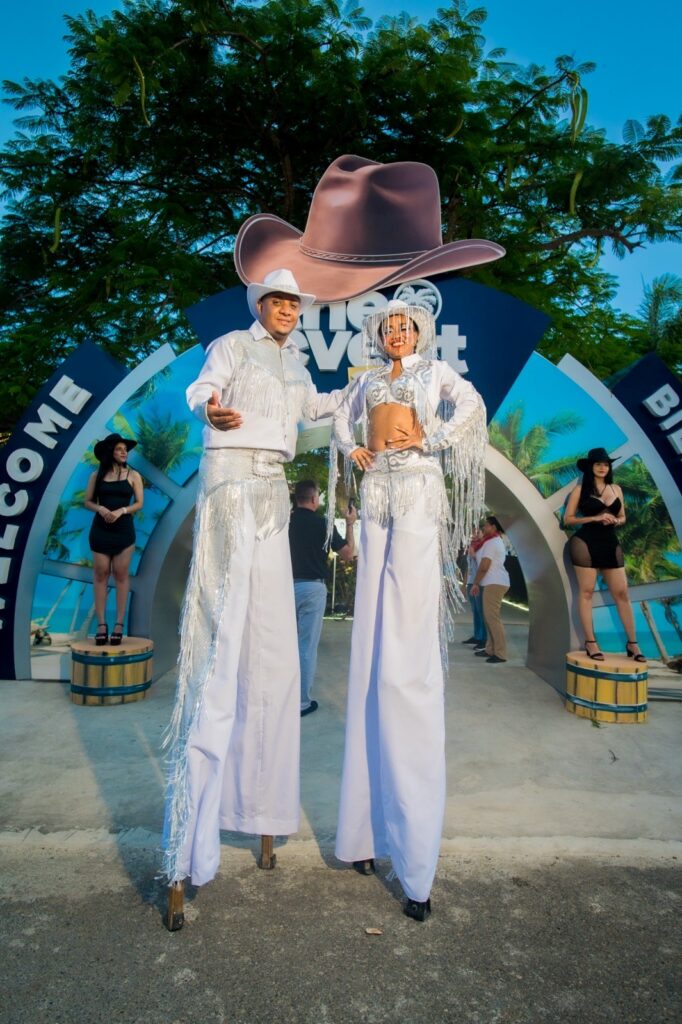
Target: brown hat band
342, 257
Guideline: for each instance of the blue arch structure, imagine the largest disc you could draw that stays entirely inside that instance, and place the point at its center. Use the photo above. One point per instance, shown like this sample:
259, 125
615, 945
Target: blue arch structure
486, 335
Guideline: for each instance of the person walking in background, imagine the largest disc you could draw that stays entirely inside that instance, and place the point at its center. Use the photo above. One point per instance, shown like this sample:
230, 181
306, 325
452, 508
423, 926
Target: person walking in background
478, 637
114, 493
596, 507
309, 562
493, 579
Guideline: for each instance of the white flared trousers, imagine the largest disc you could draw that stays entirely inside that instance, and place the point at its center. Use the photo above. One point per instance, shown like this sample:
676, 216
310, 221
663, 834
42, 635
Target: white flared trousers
243, 749
393, 785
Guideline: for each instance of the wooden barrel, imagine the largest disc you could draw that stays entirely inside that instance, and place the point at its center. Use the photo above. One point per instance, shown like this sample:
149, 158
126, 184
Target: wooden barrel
111, 675
612, 690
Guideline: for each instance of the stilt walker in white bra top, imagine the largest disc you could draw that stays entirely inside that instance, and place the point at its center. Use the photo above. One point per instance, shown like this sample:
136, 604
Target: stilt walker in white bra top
234, 734
393, 785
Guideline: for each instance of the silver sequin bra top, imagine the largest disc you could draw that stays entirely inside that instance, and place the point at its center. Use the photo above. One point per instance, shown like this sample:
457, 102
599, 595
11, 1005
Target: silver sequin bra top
401, 391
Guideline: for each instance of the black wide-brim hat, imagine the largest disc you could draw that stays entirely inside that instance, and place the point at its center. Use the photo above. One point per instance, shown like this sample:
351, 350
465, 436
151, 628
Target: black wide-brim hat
105, 447
595, 455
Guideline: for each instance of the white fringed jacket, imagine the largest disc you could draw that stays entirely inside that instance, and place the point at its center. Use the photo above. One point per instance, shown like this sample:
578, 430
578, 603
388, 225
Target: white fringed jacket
267, 384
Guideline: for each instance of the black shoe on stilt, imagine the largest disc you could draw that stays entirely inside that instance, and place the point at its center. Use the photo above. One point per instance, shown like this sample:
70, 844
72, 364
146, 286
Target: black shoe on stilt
417, 911
364, 867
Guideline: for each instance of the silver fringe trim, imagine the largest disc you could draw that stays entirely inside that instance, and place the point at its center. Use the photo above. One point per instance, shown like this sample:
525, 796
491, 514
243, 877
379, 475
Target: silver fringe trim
395, 483
389, 490
392, 487
261, 392
463, 464
460, 448
231, 481
333, 484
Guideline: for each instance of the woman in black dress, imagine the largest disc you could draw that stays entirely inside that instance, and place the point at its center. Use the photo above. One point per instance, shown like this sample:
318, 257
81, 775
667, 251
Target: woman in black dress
112, 534
596, 507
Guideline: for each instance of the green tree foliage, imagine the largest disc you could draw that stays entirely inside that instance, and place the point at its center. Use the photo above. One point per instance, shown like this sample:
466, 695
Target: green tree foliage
661, 320
127, 179
648, 535
527, 449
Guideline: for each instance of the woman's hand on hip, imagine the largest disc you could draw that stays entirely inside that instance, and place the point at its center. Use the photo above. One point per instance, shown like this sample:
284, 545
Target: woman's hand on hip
362, 457
403, 438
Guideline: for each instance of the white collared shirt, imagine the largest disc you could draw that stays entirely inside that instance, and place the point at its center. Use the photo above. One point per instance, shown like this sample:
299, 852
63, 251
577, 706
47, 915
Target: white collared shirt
266, 384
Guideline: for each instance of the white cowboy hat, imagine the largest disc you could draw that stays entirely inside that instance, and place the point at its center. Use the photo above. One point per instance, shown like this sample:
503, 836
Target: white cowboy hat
281, 280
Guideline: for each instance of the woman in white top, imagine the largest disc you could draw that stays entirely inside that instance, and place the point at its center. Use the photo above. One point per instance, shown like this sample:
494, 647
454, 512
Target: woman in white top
494, 579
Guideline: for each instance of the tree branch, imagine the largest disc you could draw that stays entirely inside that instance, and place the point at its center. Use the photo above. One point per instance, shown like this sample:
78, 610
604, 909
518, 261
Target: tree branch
575, 236
532, 97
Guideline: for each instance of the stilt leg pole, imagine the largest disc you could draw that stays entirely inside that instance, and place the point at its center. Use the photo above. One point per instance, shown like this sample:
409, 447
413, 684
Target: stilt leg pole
267, 859
175, 917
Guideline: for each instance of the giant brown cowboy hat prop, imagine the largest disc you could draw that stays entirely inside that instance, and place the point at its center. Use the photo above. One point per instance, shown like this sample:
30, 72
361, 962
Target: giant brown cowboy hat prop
370, 225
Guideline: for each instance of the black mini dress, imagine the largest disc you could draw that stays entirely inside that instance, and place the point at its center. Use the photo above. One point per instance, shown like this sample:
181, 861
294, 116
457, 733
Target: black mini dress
113, 538
595, 546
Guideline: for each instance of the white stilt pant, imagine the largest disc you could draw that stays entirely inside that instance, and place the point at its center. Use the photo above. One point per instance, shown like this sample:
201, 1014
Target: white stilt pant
237, 759
393, 785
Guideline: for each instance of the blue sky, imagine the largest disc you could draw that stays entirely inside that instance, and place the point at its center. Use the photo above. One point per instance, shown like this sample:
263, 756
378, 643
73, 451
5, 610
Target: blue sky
635, 47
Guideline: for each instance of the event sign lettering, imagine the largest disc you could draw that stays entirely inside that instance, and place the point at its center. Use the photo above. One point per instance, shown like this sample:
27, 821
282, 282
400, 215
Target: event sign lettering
29, 459
653, 396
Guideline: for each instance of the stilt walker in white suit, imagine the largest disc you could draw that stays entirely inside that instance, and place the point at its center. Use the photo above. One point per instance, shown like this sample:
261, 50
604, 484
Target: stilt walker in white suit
234, 734
393, 785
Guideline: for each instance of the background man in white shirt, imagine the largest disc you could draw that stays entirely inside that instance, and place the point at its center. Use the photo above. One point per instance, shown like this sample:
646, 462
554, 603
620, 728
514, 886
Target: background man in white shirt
493, 578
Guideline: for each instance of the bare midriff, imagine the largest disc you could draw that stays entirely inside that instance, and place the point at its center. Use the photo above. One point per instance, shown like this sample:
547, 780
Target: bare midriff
383, 420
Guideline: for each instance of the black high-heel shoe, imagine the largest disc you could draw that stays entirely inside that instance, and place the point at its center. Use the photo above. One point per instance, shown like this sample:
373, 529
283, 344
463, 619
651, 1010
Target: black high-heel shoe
102, 639
116, 635
637, 657
597, 656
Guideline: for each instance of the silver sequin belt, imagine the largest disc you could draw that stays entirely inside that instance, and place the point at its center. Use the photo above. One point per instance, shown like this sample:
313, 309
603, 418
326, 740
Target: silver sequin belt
243, 463
411, 459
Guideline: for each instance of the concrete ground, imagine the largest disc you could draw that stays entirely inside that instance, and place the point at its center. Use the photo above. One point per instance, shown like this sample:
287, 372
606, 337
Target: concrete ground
556, 899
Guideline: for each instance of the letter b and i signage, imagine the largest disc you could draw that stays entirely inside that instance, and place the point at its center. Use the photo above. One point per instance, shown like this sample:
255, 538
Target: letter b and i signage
653, 396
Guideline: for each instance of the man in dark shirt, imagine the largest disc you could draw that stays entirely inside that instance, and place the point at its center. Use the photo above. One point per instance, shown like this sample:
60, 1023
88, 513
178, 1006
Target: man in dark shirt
307, 542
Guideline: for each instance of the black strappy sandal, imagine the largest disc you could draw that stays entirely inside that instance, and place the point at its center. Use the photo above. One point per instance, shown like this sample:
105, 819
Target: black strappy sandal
102, 639
637, 657
597, 656
116, 635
